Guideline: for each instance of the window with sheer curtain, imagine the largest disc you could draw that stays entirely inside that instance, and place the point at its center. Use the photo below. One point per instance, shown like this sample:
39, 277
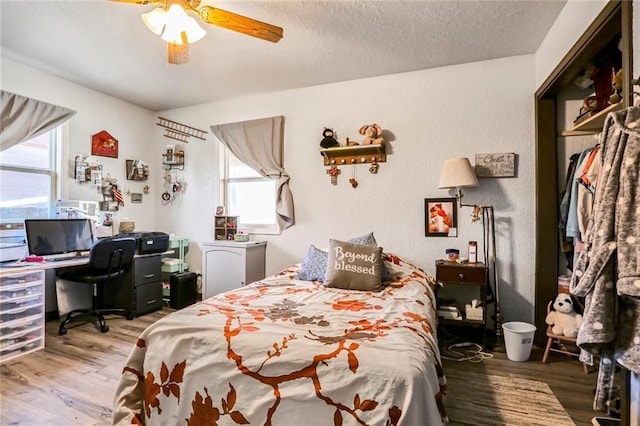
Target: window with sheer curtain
28, 175
247, 194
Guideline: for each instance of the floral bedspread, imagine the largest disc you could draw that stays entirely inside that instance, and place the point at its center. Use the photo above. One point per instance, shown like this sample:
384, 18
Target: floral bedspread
287, 352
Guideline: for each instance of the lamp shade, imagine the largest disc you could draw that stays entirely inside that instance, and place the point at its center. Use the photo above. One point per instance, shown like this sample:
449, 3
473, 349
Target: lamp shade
457, 173
155, 20
178, 22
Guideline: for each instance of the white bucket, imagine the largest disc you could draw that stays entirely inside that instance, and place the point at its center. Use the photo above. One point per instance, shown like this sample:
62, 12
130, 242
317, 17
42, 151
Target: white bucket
518, 338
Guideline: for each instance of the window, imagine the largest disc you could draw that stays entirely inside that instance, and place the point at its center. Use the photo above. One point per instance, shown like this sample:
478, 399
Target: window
248, 195
28, 176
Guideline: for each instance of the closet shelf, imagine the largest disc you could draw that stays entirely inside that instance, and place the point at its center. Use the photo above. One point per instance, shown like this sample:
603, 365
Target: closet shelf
593, 124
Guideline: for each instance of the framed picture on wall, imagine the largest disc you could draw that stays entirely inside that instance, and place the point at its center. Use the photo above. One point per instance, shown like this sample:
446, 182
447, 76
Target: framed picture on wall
440, 217
104, 145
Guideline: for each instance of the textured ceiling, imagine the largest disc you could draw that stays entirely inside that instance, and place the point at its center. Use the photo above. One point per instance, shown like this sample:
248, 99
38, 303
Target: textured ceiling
105, 46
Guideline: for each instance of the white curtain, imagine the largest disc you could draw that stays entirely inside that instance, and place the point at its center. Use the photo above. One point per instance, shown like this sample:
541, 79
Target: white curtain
23, 118
259, 144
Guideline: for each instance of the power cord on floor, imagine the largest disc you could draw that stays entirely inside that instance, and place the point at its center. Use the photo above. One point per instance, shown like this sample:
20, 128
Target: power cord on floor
474, 353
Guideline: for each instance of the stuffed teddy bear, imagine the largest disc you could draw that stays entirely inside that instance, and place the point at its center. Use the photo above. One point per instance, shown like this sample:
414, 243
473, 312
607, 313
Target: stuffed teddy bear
372, 134
563, 317
616, 84
328, 141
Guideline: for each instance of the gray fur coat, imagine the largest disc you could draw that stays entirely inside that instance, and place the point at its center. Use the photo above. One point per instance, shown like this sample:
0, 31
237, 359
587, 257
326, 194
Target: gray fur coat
607, 273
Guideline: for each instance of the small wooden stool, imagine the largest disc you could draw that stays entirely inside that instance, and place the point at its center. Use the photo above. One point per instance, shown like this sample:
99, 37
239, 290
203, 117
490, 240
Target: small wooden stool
558, 339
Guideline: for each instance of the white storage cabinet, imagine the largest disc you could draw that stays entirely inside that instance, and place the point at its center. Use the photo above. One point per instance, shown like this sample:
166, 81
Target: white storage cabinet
228, 265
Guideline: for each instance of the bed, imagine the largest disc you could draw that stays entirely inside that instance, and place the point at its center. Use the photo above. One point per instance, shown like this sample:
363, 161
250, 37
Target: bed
287, 351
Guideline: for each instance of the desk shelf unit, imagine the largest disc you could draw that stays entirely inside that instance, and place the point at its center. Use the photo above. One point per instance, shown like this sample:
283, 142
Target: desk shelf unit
175, 255
177, 250
21, 314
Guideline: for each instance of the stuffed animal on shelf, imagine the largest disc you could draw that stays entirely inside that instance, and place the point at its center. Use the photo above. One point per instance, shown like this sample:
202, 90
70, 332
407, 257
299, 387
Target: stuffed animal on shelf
372, 134
328, 141
563, 316
616, 84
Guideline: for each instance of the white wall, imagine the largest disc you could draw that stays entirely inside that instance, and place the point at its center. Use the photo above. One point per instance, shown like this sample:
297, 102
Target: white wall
431, 115
132, 126
573, 20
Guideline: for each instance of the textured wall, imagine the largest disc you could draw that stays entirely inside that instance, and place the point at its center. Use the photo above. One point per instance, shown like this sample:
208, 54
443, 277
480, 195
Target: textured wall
131, 125
430, 116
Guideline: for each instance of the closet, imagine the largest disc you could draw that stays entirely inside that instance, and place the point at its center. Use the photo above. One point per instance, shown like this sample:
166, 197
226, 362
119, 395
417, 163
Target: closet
557, 105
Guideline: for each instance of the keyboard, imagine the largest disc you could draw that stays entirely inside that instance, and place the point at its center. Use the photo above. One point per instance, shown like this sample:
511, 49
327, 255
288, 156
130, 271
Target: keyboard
64, 259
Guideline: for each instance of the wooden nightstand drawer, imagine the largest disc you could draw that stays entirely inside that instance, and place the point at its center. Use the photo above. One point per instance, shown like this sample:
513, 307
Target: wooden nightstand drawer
451, 272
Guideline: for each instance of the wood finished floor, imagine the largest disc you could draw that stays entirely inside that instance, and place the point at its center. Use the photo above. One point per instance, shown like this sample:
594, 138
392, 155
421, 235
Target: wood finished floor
72, 381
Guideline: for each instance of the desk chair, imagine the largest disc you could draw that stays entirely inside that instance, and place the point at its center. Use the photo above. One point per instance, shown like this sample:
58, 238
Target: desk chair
109, 259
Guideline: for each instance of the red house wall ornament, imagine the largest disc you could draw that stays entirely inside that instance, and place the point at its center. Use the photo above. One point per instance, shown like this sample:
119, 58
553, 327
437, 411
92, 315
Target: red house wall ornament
104, 145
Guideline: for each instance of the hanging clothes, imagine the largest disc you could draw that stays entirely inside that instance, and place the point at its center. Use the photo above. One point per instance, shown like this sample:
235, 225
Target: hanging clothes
586, 190
566, 243
607, 273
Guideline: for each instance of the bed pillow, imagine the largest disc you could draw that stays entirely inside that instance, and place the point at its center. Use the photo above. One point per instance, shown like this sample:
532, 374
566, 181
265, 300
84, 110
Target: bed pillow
314, 265
366, 239
354, 266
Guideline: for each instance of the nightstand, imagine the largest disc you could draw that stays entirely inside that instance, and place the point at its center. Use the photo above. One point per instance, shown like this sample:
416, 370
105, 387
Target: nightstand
459, 284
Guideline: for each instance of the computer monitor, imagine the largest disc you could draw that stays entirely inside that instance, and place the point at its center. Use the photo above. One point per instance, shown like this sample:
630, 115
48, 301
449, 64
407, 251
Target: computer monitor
46, 237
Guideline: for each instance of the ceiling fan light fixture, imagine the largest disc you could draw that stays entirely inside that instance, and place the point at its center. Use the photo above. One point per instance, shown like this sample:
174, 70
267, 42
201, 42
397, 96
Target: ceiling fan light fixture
178, 22
155, 20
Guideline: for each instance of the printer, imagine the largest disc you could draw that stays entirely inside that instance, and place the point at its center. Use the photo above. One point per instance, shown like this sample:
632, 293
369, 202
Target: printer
149, 242
13, 243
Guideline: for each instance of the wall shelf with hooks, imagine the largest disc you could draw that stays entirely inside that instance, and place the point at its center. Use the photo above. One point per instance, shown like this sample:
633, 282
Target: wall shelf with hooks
357, 154
177, 161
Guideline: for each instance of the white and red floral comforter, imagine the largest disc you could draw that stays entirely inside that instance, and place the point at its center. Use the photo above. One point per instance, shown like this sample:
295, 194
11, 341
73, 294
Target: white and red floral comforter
285, 352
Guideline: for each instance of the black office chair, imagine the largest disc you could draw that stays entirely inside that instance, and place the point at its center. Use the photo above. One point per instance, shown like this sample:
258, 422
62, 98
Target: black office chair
109, 259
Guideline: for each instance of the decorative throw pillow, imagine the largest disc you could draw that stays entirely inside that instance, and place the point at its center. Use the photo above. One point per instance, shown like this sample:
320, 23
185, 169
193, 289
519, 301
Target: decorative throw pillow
370, 240
354, 266
314, 265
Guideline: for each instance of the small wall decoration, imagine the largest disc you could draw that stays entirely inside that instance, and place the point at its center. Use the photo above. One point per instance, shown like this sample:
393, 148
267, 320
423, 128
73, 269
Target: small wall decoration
104, 145
136, 197
179, 132
137, 170
441, 217
496, 165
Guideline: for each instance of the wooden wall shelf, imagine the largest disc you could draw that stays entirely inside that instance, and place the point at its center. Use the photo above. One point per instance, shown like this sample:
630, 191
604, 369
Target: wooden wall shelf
357, 154
177, 161
594, 124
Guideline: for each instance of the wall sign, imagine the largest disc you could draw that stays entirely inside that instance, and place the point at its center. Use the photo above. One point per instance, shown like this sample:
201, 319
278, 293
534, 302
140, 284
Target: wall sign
496, 165
104, 145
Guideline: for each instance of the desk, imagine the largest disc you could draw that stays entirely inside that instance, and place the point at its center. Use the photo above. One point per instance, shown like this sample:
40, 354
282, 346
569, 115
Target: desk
42, 266
22, 311
22, 299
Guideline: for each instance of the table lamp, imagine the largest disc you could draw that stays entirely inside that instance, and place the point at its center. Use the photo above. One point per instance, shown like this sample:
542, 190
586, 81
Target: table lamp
458, 174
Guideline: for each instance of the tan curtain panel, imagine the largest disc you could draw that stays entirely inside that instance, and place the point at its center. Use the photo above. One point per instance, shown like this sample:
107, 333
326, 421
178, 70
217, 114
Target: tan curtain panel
23, 118
260, 145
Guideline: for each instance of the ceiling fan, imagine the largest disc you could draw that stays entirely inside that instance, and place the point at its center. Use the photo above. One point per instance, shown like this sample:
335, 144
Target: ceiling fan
171, 22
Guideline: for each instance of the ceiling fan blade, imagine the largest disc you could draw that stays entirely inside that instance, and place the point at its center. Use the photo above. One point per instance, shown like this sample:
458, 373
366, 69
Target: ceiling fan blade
241, 24
139, 1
